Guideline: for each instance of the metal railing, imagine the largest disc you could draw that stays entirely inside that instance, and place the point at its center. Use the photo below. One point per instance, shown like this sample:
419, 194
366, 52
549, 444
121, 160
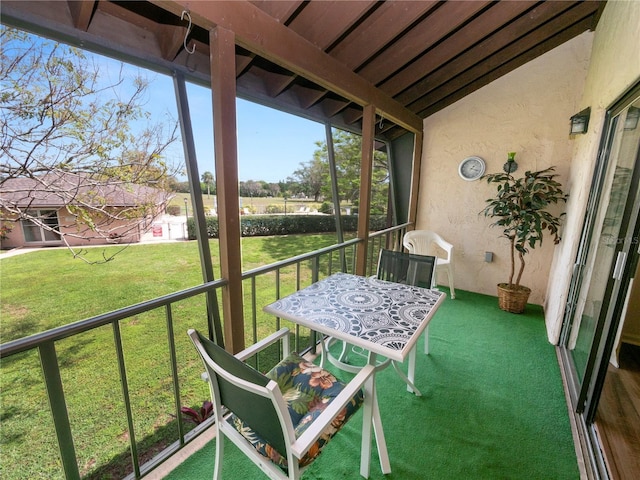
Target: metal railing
299, 272
45, 344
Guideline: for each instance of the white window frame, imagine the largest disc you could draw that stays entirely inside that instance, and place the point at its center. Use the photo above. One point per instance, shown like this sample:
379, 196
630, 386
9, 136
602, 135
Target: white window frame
28, 225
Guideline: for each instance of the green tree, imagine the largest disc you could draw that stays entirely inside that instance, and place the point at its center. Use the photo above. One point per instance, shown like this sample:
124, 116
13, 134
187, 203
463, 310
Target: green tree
273, 189
288, 187
59, 118
347, 148
312, 176
251, 188
207, 179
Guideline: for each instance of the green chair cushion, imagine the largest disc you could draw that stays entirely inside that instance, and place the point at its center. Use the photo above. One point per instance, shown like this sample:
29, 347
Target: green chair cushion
308, 390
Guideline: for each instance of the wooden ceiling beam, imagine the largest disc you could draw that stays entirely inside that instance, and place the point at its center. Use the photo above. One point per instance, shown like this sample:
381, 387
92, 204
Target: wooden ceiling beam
151, 35
258, 32
281, 10
276, 83
351, 115
425, 34
393, 133
333, 106
81, 13
490, 21
309, 97
243, 62
479, 76
322, 23
387, 21
386, 127
536, 24
198, 61
127, 16
171, 40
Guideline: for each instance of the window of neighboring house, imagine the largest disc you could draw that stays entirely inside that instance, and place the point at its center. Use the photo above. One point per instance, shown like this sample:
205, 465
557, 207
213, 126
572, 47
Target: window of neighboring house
34, 232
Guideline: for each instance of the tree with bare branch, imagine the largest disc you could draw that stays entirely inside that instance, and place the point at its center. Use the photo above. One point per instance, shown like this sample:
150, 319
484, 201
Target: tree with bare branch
68, 135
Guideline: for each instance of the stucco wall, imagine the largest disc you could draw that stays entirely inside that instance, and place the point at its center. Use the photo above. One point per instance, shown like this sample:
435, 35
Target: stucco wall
526, 111
76, 235
614, 67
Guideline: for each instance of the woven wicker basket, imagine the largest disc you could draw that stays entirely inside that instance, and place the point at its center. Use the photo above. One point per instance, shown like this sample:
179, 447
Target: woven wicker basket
512, 299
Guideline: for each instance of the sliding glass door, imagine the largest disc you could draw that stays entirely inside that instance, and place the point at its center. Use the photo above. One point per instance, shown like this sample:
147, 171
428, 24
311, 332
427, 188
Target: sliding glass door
606, 260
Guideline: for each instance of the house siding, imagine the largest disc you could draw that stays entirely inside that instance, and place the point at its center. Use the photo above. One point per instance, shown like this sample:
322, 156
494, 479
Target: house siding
75, 235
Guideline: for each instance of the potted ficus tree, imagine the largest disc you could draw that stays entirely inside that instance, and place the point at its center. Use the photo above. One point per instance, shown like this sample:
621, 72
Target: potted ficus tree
520, 208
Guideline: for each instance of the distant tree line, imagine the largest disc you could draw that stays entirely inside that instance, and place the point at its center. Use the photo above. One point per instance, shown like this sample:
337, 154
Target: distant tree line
313, 178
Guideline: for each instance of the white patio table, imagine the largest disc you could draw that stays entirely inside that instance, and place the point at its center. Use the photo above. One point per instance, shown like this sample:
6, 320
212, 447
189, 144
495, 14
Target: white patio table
383, 318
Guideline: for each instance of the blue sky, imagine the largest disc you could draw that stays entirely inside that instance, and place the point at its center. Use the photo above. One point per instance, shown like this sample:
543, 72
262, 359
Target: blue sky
271, 144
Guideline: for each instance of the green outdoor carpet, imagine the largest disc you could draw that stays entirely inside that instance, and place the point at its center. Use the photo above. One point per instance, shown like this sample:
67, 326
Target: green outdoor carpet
493, 407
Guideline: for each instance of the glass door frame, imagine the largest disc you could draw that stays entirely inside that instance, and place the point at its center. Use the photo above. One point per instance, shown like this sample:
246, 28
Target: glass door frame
585, 395
618, 291
584, 248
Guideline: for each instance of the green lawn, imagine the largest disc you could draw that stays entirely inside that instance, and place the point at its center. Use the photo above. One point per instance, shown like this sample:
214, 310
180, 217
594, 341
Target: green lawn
48, 288
256, 204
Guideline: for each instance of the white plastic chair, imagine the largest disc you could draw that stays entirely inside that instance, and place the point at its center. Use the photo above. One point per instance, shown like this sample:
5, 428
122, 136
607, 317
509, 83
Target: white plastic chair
422, 242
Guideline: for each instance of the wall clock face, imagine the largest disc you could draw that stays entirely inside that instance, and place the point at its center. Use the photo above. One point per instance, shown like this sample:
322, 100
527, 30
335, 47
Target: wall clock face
471, 168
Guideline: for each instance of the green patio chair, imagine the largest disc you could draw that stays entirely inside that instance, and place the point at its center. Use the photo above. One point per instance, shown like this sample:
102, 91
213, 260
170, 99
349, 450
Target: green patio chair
407, 268
281, 420
398, 267
426, 242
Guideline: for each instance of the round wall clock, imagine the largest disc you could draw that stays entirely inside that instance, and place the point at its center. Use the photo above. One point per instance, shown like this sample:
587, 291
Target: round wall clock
471, 168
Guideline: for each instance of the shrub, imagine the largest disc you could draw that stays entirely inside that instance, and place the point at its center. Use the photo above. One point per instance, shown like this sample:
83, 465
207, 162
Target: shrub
326, 207
265, 225
272, 208
174, 210
198, 415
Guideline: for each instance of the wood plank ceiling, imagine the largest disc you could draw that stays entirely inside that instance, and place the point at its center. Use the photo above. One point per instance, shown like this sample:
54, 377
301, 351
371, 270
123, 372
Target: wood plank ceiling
424, 54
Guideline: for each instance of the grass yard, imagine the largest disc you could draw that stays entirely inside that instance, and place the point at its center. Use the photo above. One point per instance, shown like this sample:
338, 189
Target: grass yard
48, 288
254, 204
259, 203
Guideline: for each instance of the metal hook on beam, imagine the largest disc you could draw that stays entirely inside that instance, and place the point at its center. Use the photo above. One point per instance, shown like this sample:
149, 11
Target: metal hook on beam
184, 42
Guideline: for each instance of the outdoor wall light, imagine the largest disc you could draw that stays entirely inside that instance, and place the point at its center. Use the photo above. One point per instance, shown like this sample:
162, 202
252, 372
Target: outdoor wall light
631, 122
580, 121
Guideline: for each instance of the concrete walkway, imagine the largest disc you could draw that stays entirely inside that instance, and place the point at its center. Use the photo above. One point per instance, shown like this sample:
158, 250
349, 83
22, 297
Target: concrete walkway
23, 250
165, 229
17, 251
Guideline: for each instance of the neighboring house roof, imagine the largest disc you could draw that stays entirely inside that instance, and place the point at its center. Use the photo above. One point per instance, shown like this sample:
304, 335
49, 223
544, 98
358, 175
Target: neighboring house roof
58, 189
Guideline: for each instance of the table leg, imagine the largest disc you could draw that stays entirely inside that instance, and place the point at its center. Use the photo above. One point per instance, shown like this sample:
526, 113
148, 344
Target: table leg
323, 352
411, 372
381, 443
410, 379
367, 423
344, 355
371, 418
426, 340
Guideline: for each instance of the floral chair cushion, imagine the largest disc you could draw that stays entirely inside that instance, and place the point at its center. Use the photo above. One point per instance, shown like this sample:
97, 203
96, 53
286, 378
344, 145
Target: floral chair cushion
308, 390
